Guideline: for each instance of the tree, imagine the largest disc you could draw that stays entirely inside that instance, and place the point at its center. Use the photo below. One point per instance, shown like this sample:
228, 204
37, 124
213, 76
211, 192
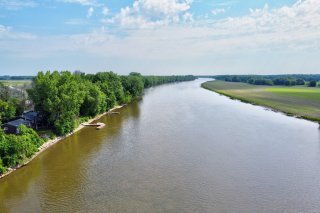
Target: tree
300, 81
312, 84
110, 84
58, 98
133, 85
7, 111
14, 149
94, 101
4, 92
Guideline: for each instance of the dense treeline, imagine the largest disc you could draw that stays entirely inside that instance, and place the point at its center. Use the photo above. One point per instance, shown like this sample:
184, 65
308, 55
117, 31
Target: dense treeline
63, 100
8, 77
284, 80
150, 81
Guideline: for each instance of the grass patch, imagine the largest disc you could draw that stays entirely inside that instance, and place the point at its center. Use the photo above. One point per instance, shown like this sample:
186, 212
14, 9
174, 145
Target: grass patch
16, 83
297, 101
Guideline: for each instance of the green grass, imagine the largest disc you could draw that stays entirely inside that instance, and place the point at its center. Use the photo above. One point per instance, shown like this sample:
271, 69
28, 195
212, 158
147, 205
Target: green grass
298, 101
16, 83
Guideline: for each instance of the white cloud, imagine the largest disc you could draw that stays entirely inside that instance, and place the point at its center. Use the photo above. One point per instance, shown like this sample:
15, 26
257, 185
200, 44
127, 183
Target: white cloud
218, 11
90, 12
188, 17
151, 13
166, 7
224, 3
105, 11
17, 4
3, 29
7, 34
281, 33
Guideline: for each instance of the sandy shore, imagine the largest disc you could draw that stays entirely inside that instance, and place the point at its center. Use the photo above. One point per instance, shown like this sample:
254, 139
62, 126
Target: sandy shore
49, 143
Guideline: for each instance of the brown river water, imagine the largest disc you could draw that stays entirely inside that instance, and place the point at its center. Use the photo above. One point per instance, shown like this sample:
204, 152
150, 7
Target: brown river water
180, 149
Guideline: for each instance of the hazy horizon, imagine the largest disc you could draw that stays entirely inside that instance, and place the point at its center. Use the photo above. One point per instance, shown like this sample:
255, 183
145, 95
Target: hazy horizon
199, 37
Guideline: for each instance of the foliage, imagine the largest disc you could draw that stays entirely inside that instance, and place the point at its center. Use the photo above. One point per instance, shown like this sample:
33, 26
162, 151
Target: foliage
62, 98
4, 92
14, 149
150, 81
95, 101
269, 80
312, 84
58, 98
7, 111
133, 85
110, 84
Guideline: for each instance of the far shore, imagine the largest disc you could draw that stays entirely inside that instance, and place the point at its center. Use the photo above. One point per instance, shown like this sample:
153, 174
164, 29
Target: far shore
276, 98
51, 142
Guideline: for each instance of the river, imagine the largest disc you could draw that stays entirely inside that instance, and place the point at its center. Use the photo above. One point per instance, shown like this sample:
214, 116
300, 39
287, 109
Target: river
180, 149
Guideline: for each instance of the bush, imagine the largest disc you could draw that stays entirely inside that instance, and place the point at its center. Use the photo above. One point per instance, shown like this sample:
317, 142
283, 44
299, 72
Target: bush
312, 84
2, 168
14, 149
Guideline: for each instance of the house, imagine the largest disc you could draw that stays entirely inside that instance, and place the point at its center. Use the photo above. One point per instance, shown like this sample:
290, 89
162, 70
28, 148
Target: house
29, 119
32, 117
12, 127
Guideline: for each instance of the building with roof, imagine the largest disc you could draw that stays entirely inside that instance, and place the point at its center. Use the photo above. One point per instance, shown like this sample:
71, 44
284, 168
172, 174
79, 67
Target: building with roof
12, 127
32, 117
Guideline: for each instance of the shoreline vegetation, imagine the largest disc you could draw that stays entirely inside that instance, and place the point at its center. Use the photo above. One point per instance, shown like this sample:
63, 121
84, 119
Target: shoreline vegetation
64, 101
54, 141
299, 101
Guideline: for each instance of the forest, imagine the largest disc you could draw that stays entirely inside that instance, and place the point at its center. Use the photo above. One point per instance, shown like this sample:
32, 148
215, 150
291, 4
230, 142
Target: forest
63, 101
279, 80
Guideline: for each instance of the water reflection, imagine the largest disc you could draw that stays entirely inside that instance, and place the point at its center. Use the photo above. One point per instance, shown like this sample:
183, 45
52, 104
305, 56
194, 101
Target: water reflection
58, 176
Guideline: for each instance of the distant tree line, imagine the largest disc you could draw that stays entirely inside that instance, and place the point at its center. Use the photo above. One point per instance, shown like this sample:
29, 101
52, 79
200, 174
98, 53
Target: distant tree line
283, 80
150, 81
63, 100
8, 77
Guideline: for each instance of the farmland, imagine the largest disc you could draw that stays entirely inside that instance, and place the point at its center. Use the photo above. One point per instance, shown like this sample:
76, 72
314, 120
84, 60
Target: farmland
300, 101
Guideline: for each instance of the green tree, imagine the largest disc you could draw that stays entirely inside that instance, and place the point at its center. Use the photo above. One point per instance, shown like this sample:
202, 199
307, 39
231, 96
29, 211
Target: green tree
94, 101
58, 98
7, 111
133, 84
312, 84
4, 92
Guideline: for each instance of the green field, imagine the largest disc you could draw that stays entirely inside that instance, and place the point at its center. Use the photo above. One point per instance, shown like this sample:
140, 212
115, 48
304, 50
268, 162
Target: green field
298, 101
16, 83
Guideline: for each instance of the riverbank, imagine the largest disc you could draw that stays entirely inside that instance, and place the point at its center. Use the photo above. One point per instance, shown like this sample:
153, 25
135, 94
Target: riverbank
51, 142
300, 102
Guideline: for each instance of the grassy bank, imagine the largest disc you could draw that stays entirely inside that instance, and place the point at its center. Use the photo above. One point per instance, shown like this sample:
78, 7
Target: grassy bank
299, 101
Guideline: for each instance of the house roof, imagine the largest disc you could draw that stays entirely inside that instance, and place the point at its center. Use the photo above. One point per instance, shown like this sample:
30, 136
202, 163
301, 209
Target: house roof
31, 115
18, 122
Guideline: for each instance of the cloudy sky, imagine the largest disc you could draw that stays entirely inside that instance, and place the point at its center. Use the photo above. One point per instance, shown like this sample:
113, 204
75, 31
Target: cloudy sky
160, 36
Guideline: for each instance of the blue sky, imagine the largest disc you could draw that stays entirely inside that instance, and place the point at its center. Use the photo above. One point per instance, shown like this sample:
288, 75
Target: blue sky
160, 36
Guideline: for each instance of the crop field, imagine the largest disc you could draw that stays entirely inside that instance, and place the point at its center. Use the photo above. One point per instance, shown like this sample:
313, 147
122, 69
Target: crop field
298, 101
